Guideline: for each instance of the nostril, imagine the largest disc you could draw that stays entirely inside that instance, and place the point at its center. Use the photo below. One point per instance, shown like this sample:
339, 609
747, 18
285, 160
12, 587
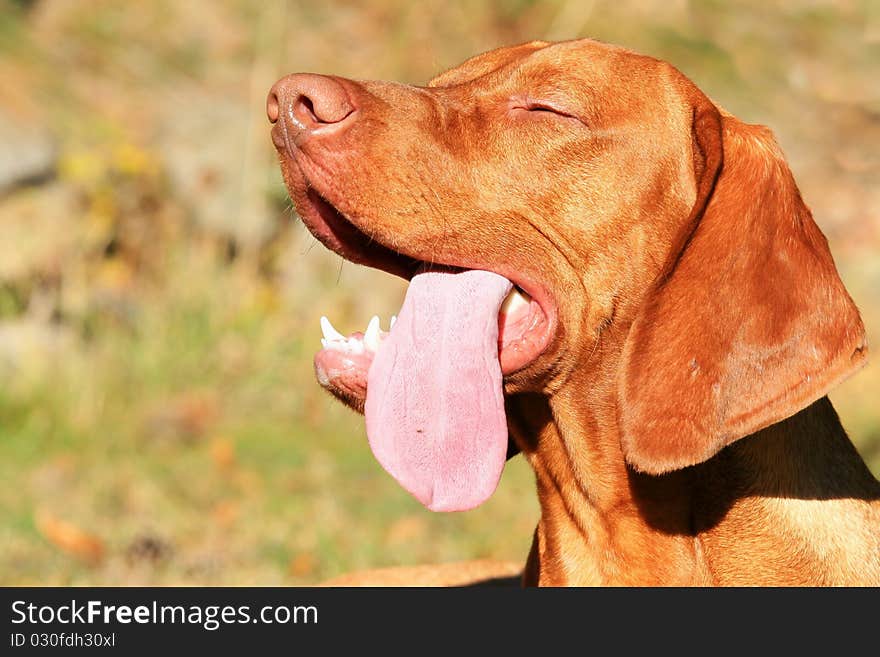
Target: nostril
272, 106
304, 111
304, 104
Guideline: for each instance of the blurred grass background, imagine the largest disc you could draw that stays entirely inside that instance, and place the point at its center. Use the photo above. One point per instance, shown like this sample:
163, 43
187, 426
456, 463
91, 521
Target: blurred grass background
159, 301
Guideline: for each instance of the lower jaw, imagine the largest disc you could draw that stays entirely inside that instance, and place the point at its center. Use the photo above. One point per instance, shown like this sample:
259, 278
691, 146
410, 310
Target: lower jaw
333, 365
344, 373
518, 351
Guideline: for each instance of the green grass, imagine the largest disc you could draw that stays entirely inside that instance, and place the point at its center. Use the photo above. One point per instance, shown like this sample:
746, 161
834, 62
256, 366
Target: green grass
203, 429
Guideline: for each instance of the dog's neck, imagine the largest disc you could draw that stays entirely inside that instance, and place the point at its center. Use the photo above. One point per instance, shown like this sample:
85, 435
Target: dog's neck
604, 524
595, 506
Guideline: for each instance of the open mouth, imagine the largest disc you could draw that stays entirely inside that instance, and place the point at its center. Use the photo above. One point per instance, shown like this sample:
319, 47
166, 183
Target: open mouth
431, 385
524, 326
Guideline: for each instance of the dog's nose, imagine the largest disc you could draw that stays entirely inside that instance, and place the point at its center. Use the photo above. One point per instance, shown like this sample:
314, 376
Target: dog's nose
308, 104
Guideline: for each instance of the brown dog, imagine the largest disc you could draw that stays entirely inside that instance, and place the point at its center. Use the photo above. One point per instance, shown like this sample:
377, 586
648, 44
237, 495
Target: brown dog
674, 324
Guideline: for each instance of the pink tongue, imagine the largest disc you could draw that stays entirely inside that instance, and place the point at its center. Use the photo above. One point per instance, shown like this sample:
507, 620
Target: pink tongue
434, 407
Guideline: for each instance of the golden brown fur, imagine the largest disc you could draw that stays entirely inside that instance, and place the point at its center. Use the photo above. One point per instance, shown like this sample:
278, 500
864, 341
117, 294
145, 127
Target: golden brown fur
677, 424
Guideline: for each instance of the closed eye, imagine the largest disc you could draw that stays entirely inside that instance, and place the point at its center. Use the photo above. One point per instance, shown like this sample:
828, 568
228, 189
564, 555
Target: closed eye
550, 109
537, 108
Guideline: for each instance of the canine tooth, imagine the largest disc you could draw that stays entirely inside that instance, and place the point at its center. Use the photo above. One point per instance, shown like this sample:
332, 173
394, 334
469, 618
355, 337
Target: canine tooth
371, 336
324, 342
393, 320
329, 332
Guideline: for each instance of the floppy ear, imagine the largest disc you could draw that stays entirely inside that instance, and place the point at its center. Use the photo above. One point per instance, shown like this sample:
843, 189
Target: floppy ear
750, 321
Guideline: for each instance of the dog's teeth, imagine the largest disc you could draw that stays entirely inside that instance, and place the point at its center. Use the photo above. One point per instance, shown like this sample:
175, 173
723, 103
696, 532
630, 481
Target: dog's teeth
334, 345
371, 336
355, 346
330, 333
393, 320
514, 301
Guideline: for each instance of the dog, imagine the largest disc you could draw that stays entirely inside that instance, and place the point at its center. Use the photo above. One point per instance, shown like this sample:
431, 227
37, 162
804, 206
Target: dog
612, 275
